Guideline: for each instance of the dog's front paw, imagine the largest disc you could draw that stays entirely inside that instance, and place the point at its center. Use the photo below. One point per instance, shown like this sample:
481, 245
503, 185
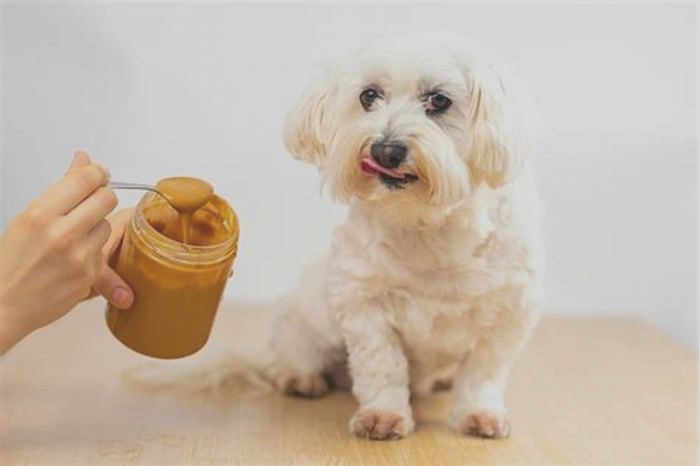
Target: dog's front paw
485, 424
307, 386
377, 424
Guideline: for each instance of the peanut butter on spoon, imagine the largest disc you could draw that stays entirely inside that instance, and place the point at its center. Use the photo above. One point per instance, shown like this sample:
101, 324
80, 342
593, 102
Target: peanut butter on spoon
186, 195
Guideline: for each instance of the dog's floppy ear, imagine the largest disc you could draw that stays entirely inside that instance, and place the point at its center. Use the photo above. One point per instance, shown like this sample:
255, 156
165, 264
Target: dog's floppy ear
500, 136
307, 129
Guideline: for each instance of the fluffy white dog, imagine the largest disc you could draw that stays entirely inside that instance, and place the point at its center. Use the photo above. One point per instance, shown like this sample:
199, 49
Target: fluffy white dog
435, 275
434, 278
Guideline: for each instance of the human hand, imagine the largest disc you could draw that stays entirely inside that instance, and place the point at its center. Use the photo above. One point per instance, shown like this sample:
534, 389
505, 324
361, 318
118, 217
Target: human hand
54, 253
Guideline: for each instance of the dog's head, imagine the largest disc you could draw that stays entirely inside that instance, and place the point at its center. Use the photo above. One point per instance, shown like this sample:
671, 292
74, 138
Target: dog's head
419, 121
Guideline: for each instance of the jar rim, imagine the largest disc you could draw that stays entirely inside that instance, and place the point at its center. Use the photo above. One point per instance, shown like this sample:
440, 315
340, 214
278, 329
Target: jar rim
173, 250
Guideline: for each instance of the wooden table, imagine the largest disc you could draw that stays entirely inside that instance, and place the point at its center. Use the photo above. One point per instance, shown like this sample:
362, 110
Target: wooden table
587, 391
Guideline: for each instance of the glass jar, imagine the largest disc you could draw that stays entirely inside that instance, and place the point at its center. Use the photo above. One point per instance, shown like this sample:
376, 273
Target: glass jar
177, 287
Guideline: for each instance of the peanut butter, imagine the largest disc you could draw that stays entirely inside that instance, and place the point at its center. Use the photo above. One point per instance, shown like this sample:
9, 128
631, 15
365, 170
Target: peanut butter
185, 195
177, 269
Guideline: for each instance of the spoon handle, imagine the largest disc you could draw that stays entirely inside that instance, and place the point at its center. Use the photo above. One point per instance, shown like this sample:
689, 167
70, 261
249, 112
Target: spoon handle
123, 185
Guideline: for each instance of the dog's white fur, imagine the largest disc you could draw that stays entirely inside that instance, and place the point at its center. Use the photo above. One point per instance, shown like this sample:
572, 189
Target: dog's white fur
434, 283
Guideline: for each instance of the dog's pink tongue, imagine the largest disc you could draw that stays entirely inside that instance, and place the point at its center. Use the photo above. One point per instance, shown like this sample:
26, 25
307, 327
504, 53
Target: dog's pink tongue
371, 167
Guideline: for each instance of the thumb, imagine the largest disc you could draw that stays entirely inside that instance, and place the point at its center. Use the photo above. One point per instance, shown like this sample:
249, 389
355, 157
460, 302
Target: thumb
113, 288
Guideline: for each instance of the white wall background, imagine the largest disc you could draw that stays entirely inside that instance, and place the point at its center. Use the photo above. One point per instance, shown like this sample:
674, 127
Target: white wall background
154, 90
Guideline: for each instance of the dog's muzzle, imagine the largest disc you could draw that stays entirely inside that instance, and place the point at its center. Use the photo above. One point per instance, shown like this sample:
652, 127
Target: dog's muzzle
383, 160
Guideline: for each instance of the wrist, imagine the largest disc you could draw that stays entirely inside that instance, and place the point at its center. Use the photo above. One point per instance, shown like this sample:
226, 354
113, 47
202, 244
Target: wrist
11, 331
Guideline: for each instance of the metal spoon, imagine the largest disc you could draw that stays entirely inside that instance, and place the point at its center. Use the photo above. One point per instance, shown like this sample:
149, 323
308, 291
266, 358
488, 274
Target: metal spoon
140, 186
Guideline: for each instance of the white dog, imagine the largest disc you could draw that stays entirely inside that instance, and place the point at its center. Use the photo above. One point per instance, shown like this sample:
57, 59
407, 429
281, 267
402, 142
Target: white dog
435, 275
434, 278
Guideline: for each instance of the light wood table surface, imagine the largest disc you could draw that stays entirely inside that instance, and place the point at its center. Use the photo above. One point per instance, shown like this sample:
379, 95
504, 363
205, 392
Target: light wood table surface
587, 391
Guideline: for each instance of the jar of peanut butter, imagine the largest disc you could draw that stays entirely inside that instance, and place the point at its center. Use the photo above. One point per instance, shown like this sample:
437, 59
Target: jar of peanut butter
177, 262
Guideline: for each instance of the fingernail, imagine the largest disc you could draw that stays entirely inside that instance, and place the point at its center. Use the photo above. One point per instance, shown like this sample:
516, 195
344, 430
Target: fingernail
120, 297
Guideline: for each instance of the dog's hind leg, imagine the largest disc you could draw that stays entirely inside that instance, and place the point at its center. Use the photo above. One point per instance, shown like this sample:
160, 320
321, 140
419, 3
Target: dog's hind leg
306, 352
299, 357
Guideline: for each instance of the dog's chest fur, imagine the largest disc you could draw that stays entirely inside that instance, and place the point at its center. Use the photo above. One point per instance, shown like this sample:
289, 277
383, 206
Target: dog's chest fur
439, 288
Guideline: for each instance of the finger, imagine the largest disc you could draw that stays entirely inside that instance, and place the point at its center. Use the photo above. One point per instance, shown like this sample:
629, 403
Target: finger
69, 191
118, 220
114, 289
90, 212
80, 159
96, 238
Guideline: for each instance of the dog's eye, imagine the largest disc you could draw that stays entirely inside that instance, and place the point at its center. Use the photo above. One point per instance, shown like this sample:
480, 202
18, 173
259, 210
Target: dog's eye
436, 103
367, 98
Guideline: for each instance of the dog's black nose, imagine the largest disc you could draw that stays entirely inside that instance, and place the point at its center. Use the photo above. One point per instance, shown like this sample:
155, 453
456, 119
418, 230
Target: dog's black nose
388, 155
